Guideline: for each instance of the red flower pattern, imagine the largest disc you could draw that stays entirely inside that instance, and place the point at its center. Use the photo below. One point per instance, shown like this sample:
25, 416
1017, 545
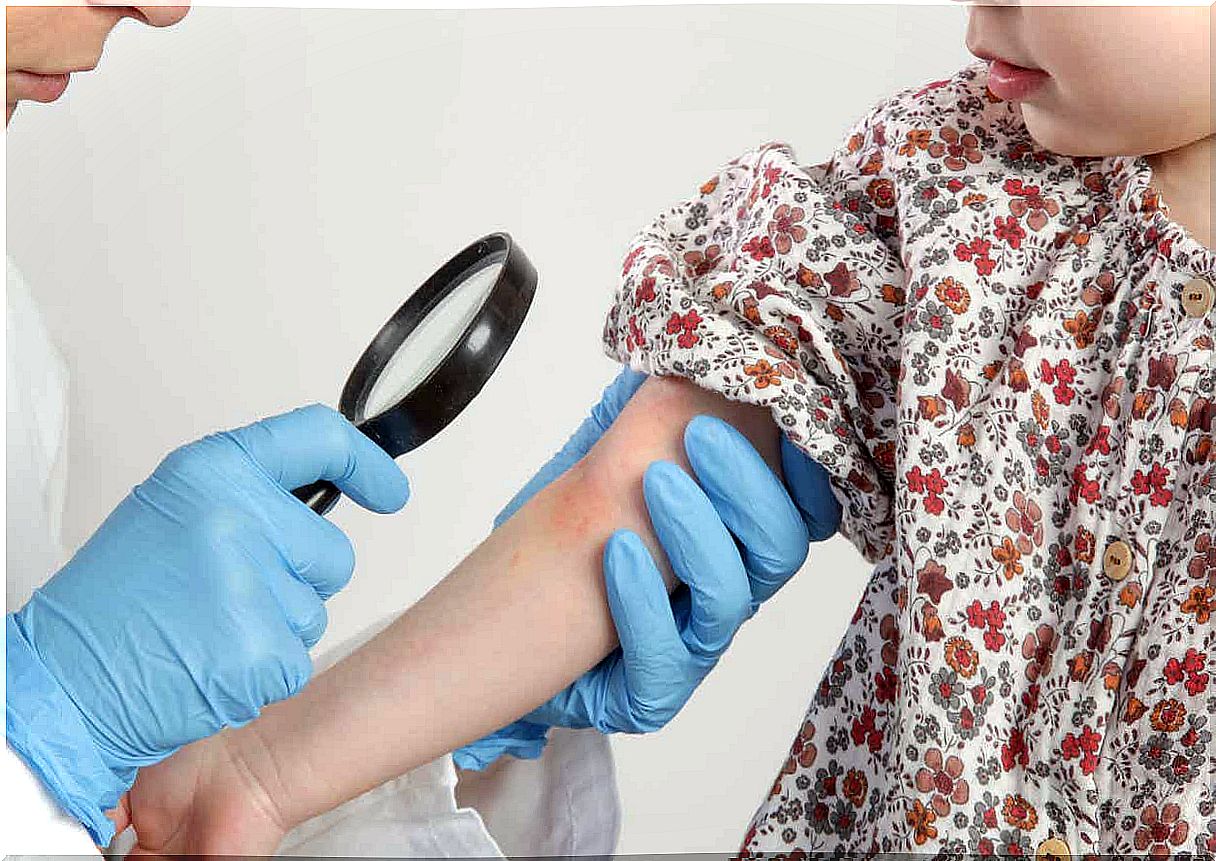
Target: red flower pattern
990, 416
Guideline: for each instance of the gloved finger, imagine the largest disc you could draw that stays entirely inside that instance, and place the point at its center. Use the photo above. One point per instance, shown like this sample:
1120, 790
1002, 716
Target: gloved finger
656, 673
264, 659
317, 551
811, 488
294, 665
703, 555
603, 414
303, 607
638, 601
751, 501
316, 442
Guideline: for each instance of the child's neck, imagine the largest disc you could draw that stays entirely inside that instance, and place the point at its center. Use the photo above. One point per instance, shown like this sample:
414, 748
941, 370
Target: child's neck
1184, 177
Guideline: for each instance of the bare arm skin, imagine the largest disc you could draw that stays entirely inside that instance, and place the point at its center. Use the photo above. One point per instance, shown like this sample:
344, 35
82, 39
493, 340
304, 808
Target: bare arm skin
518, 620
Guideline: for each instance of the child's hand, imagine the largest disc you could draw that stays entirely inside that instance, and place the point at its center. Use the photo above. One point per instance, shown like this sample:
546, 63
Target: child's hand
203, 800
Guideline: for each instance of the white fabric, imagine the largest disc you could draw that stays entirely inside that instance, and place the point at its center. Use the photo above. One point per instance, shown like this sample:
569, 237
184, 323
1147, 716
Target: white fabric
36, 412
565, 803
37, 417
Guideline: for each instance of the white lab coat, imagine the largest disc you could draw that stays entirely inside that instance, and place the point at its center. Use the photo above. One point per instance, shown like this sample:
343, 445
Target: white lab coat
565, 803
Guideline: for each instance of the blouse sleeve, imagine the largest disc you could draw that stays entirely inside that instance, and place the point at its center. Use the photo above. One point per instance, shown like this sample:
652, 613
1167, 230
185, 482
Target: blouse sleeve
781, 285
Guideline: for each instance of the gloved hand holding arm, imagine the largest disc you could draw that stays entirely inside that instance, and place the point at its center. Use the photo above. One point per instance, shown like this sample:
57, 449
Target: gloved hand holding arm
191, 608
524, 615
664, 656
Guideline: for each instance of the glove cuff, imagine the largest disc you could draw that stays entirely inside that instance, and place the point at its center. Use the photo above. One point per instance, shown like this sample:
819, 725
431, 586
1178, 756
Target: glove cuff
47, 731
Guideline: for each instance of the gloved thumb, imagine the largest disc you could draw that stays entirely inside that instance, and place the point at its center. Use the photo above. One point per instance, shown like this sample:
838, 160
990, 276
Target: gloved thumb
316, 442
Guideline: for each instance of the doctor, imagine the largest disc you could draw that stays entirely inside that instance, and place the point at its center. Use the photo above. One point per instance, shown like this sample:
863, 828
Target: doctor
196, 602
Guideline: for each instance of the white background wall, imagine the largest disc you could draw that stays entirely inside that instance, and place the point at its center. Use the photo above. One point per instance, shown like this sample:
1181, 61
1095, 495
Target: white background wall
217, 220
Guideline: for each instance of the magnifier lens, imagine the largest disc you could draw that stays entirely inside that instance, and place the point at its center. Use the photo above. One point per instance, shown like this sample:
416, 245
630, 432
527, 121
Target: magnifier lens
431, 340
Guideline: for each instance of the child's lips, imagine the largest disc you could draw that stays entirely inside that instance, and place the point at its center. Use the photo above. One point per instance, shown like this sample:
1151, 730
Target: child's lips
1014, 83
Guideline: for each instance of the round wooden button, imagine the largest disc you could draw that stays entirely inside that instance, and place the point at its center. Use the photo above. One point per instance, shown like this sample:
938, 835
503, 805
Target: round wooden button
1198, 297
1117, 560
1053, 849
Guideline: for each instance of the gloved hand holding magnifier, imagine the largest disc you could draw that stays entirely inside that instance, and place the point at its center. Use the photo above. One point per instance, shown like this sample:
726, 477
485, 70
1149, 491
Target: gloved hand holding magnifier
435, 354
195, 604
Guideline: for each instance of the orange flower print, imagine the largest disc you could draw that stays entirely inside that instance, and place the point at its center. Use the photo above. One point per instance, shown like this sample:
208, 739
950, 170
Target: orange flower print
918, 139
710, 187
959, 150
1082, 328
1019, 812
931, 623
1019, 380
1142, 403
1008, 556
1129, 595
1200, 602
764, 374
1084, 544
1179, 416
961, 656
1168, 716
931, 406
1135, 710
953, 295
1041, 410
873, 164
921, 819
882, 192
966, 436
893, 295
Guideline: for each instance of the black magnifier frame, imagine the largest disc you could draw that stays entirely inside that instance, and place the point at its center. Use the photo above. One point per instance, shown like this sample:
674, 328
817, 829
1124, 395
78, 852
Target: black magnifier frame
451, 385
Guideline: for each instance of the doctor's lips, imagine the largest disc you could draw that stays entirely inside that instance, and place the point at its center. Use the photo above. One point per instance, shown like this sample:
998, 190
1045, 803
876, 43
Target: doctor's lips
1009, 81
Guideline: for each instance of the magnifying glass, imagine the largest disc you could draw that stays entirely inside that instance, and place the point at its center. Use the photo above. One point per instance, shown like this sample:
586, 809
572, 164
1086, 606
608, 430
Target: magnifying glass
428, 362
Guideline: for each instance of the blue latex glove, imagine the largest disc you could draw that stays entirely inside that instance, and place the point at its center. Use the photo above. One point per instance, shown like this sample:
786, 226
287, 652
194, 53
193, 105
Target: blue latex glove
191, 608
733, 541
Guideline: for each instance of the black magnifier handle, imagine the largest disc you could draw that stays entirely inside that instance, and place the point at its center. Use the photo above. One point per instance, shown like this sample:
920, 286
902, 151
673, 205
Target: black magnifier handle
320, 496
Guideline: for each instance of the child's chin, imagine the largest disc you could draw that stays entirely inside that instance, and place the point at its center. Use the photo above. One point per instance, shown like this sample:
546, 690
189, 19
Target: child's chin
1058, 135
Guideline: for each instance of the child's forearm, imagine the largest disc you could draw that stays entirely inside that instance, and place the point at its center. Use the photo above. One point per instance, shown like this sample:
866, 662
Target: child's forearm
518, 620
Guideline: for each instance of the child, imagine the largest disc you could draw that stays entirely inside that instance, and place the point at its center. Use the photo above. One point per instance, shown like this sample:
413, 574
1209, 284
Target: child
1004, 356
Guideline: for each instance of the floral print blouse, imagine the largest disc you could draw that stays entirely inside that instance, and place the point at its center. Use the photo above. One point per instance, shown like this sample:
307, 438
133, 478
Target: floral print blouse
1004, 357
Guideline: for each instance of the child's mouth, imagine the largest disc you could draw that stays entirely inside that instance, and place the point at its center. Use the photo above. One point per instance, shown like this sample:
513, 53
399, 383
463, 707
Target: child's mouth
1014, 83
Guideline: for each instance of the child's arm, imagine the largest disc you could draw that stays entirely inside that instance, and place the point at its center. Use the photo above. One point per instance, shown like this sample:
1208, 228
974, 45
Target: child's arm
517, 621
